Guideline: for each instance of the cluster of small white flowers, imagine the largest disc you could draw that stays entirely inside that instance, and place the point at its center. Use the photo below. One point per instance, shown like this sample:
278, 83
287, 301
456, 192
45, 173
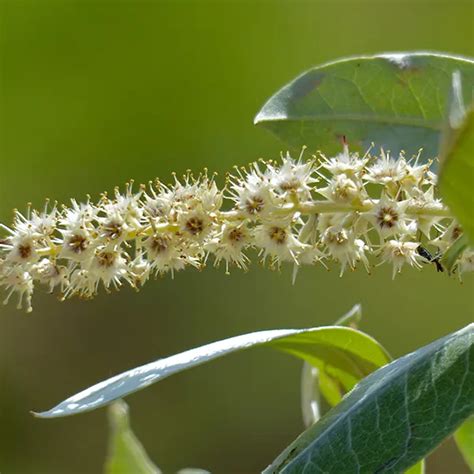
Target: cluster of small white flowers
347, 208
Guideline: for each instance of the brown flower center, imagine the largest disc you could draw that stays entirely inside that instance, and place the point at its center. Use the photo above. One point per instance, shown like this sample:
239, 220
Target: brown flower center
113, 230
254, 205
194, 225
387, 217
25, 251
159, 243
106, 259
278, 235
236, 235
77, 243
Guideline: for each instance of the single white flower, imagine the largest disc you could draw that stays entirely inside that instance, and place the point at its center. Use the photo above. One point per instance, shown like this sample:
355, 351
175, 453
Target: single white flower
82, 283
349, 164
196, 224
107, 265
229, 245
209, 196
78, 215
389, 217
386, 170
341, 188
415, 177
292, 177
21, 248
252, 193
50, 274
277, 240
343, 247
139, 270
43, 224
427, 223
168, 252
157, 205
399, 253
127, 205
17, 280
77, 244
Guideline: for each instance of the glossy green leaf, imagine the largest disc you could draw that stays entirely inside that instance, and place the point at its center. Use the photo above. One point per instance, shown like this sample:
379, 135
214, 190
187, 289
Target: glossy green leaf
464, 437
345, 353
397, 101
126, 454
394, 417
456, 179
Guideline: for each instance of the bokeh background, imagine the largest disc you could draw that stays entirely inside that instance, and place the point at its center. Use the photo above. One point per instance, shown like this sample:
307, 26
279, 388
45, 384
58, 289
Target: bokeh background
93, 93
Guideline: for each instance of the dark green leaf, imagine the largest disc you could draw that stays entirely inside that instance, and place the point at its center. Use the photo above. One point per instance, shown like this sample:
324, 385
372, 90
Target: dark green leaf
464, 437
126, 454
314, 382
397, 101
346, 353
394, 417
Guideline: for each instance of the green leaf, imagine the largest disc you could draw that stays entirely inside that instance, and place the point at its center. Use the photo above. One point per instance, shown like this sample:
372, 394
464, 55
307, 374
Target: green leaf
315, 382
451, 255
394, 417
345, 353
457, 159
397, 101
310, 394
464, 437
126, 454
418, 468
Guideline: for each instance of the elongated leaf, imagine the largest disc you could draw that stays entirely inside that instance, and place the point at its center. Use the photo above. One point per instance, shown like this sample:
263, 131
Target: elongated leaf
397, 101
457, 160
394, 417
126, 454
346, 353
464, 437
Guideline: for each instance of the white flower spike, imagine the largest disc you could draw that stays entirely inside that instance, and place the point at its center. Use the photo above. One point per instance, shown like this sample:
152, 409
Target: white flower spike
302, 212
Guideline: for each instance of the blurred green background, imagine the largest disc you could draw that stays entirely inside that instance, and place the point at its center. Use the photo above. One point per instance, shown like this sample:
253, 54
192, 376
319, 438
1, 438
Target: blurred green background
93, 93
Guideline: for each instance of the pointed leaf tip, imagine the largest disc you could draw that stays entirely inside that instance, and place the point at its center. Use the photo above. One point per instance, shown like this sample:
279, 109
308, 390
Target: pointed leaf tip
347, 351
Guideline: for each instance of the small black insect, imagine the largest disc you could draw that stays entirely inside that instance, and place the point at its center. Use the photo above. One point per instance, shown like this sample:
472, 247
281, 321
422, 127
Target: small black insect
430, 258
